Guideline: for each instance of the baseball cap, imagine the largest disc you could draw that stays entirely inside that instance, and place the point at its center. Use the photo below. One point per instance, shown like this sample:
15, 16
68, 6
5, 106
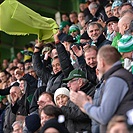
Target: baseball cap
64, 24
76, 73
68, 38
2, 97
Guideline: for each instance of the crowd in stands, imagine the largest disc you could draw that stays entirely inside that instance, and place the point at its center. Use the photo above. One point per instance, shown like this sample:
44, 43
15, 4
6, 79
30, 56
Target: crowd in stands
80, 83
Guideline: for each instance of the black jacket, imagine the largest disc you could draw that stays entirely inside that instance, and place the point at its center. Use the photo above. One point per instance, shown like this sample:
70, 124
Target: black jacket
41, 69
21, 107
90, 72
64, 58
54, 81
76, 120
101, 41
6, 91
9, 119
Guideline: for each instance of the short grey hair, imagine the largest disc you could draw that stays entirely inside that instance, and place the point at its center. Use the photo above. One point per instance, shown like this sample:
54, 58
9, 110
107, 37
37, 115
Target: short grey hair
84, 80
126, 12
19, 123
93, 5
95, 23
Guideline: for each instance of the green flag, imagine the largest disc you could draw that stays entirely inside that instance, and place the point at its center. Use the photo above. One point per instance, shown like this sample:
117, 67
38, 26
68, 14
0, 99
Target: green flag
17, 19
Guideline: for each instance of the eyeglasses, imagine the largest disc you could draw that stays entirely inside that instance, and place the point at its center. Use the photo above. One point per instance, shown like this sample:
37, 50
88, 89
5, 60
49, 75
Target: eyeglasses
72, 31
72, 80
109, 24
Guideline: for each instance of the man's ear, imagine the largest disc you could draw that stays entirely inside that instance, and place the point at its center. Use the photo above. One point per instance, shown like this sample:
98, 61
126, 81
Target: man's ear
80, 82
125, 26
102, 63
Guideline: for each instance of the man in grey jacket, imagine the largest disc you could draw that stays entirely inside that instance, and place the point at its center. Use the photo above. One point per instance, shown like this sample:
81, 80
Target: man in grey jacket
114, 93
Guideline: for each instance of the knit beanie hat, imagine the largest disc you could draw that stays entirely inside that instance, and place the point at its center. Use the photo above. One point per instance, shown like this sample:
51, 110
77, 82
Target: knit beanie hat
73, 28
32, 122
116, 3
60, 91
125, 44
64, 24
55, 124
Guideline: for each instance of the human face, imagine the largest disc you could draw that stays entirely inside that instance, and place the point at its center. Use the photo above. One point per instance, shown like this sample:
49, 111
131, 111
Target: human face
74, 85
91, 58
116, 12
82, 7
18, 74
15, 62
115, 26
119, 128
125, 8
121, 27
15, 93
73, 18
10, 65
19, 56
61, 100
54, 53
80, 17
93, 32
26, 65
56, 66
109, 27
100, 66
17, 129
74, 33
65, 17
12, 78
93, 11
5, 63
32, 73
44, 118
108, 11
21, 85
127, 55
66, 29
20, 66
44, 100
3, 77
51, 130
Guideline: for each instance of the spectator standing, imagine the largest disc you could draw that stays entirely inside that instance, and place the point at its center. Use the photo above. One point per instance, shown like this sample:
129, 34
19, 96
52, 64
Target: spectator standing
114, 93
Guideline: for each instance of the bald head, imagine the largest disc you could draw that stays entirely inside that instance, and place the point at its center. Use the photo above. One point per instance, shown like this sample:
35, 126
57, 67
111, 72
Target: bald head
109, 54
128, 13
124, 23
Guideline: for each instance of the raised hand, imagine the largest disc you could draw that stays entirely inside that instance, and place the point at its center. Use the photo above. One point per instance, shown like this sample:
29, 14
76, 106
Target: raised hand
79, 98
77, 51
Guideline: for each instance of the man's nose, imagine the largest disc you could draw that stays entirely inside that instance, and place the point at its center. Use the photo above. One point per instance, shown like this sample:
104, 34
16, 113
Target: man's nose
91, 60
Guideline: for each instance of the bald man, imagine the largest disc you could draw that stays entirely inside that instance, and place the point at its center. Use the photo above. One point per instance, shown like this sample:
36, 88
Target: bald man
127, 13
124, 23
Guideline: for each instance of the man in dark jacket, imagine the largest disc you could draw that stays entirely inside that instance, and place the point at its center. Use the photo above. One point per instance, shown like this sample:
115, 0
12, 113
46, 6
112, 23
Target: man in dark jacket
114, 94
76, 120
95, 32
10, 117
87, 61
52, 81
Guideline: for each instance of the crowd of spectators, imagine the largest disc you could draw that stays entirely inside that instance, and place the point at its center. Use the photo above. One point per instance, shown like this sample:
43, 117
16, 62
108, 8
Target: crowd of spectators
80, 83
